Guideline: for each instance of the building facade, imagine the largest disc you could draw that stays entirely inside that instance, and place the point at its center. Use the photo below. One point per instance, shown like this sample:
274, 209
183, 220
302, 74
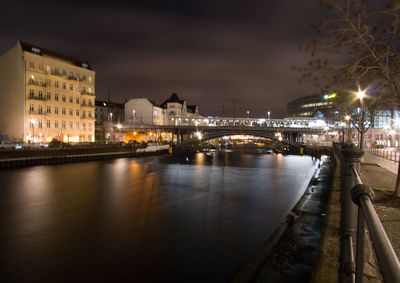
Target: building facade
45, 95
107, 111
142, 111
312, 106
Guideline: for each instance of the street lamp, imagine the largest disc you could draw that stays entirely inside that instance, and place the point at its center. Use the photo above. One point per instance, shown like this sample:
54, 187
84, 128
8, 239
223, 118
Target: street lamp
33, 129
360, 95
111, 114
269, 114
248, 113
134, 117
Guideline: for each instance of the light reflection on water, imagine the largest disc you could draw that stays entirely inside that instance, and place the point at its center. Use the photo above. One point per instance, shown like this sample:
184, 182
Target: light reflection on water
191, 218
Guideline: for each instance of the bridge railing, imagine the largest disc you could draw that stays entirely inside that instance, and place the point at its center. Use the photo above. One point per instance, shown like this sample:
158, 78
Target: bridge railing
356, 211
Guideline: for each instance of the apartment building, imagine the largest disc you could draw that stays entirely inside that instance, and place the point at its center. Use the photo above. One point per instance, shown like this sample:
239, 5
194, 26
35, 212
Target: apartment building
45, 95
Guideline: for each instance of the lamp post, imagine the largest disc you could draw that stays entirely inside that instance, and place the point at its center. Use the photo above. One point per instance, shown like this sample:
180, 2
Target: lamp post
134, 117
269, 114
248, 113
119, 126
360, 95
347, 118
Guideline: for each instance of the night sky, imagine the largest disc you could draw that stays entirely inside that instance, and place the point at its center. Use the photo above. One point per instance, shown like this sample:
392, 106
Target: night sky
209, 52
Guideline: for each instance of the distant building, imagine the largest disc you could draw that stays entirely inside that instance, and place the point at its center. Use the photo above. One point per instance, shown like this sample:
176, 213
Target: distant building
45, 95
312, 106
107, 111
142, 111
177, 112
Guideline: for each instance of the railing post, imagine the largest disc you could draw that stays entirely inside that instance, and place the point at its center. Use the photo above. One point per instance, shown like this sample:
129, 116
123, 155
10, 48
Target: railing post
348, 214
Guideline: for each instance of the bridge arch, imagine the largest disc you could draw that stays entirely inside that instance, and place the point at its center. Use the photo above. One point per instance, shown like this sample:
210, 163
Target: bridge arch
222, 133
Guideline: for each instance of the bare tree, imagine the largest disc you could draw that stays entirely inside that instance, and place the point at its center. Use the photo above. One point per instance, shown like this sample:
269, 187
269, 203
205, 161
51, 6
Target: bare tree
357, 45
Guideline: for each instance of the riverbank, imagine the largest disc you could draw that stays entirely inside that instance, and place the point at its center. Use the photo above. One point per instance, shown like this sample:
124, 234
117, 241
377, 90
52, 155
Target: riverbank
48, 157
290, 254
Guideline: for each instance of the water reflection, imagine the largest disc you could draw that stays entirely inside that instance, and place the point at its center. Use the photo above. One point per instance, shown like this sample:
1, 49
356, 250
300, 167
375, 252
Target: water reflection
189, 218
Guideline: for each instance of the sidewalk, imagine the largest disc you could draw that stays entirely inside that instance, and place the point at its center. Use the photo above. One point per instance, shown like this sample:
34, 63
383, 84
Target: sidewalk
380, 174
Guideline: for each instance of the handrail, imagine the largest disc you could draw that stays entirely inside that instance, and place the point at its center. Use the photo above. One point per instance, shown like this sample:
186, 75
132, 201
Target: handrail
362, 195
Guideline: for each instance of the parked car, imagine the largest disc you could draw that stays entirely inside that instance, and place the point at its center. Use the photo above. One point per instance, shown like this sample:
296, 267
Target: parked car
9, 145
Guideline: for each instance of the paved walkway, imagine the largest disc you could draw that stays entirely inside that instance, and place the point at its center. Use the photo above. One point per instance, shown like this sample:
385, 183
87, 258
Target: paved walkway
380, 174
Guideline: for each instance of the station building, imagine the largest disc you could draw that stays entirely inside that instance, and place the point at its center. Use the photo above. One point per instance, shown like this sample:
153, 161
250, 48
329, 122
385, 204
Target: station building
45, 95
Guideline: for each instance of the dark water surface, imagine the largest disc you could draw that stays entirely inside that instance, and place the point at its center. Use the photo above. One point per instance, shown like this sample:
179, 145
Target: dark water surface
151, 219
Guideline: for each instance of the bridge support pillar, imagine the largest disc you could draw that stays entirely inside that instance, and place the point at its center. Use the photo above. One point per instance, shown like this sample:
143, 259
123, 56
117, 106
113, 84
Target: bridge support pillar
348, 213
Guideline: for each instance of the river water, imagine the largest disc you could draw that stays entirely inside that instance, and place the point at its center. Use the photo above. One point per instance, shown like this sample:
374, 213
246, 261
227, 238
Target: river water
196, 218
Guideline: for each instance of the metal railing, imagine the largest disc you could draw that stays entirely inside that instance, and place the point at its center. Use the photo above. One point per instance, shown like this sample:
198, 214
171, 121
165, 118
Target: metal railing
387, 154
362, 195
356, 212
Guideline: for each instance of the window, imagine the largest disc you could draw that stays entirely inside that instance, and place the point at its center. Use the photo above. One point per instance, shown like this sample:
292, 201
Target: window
56, 110
77, 125
31, 124
71, 87
56, 124
70, 125
63, 98
40, 124
40, 109
40, 94
48, 82
77, 100
83, 102
41, 67
63, 124
31, 108
90, 103
71, 99
31, 93
90, 126
83, 114
77, 112
48, 109
63, 111
48, 96
64, 85
56, 96
84, 126
56, 84
48, 123
70, 112
77, 88
90, 114
32, 65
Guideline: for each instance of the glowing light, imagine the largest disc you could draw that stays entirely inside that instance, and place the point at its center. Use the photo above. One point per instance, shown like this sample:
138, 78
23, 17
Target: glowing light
199, 135
119, 126
347, 117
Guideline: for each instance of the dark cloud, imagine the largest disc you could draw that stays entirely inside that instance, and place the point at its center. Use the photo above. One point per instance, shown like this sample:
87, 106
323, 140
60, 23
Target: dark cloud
210, 52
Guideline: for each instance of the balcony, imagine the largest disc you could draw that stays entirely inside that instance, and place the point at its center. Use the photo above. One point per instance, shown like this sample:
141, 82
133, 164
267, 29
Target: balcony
85, 92
73, 78
58, 74
87, 105
35, 97
37, 83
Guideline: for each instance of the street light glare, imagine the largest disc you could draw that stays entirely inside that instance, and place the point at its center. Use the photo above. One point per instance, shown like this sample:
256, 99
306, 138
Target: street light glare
347, 117
360, 94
